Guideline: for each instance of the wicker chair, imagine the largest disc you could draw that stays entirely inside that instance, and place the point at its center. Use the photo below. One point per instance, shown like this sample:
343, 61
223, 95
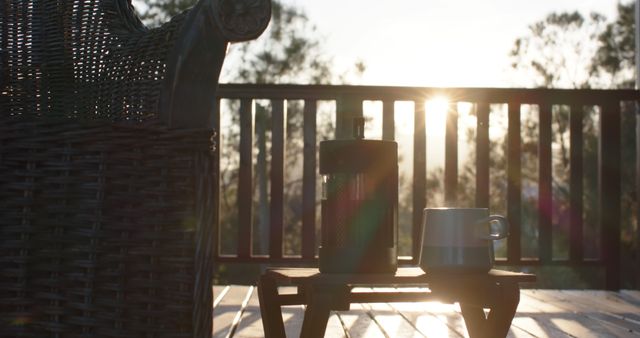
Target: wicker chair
108, 169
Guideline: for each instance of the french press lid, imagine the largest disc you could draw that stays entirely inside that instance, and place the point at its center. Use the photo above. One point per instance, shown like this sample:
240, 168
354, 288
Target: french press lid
357, 155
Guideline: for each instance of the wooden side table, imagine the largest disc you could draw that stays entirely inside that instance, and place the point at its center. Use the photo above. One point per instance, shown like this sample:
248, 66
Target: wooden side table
496, 290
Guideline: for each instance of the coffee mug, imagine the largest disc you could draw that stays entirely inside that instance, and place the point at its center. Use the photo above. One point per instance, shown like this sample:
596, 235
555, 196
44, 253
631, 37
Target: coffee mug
459, 239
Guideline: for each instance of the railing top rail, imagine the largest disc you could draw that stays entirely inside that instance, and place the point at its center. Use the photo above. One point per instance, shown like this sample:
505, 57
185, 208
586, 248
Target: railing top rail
460, 94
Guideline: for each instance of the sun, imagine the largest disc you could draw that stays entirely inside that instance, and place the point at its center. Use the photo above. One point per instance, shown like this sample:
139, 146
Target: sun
436, 110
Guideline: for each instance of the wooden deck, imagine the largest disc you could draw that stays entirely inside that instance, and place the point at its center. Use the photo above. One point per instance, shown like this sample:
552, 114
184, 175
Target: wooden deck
542, 313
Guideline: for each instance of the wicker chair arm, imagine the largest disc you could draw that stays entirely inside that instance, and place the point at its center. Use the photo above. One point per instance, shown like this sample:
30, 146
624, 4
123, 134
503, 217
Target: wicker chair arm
237, 20
241, 20
187, 97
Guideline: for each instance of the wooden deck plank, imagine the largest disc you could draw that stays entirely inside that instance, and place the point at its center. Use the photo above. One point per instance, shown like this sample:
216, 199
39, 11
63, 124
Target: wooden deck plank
219, 291
527, 319
581, 320
227, 309
630, 296
632, 293
514, 331
600, 305
445, 319
292, 317
517, 332
429, 319
335, 327
602, 299
537, 328
236, 319
534, 304
250, 325
433, 319
390, 321
540, 327
359, 323
559, 318
541, 313
576, 328
536, 317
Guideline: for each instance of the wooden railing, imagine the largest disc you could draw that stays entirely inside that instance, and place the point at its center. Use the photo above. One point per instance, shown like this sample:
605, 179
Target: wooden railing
349, 102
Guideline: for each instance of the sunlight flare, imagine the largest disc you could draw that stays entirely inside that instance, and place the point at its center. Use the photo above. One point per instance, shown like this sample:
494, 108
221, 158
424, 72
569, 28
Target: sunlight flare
436, 111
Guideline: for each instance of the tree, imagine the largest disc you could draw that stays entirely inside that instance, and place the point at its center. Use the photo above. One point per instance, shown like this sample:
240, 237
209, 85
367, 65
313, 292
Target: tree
570, 50
288, 52
615, 57
557, 51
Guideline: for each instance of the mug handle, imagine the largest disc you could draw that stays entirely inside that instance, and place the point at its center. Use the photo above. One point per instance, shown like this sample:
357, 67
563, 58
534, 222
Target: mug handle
504, 225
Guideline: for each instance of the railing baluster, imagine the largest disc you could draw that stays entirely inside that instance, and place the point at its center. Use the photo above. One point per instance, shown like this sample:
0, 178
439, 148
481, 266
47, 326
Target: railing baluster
419, 174
309, 181
215, 124
278, 132
514, 183
388, 120
451, 156
575, 183
545, 193
482, 155
609, 192
245, 179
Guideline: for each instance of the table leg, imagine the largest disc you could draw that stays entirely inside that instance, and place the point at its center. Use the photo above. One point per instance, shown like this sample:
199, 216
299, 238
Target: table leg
501, 313
270, 308
475, 320
317, 313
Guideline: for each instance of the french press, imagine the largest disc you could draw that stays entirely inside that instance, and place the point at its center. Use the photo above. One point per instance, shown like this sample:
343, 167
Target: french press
359, 204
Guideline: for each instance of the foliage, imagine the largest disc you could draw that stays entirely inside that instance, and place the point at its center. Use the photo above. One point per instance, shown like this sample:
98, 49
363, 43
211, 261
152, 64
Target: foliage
557, 51
615, 56
155, 12
288, 52
570, 50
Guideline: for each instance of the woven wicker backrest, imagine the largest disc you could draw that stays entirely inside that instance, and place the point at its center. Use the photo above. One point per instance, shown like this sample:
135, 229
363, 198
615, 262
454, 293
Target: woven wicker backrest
107, 214
95, 59
81, 59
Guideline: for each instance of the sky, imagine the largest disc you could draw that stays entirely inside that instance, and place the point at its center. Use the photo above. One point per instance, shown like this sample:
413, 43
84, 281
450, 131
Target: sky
432, 43
448, 43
